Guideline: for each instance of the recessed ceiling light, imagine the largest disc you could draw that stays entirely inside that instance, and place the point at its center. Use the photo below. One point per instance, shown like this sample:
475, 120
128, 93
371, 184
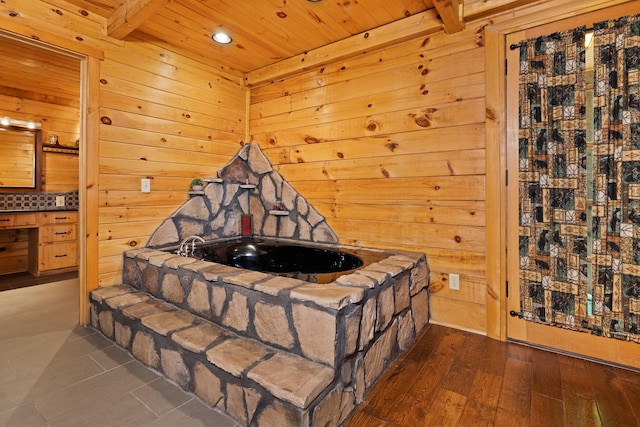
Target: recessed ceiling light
221, 38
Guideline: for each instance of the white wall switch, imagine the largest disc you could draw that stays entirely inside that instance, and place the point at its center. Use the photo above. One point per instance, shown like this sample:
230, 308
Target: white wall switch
145, 185
454, 281
59, 201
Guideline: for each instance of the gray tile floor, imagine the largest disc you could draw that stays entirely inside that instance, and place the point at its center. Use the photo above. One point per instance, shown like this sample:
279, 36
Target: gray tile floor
54, 372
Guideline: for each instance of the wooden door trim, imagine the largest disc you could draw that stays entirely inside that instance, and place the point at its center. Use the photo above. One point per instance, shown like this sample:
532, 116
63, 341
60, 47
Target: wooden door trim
587, 345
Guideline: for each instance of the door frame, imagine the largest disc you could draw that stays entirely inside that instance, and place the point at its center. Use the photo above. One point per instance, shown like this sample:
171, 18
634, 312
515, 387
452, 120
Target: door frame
505, 206
88, 155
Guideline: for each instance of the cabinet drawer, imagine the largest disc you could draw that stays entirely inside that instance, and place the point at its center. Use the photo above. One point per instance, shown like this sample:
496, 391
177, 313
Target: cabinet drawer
17, 220
62, 217
57, 233
58, 255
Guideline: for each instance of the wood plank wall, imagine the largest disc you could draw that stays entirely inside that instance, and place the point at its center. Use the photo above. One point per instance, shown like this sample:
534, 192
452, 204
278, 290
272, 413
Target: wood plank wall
390, 148
165, 117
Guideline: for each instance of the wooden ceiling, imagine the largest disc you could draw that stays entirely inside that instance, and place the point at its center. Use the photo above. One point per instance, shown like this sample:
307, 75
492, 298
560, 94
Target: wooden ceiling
263, 31
29, 71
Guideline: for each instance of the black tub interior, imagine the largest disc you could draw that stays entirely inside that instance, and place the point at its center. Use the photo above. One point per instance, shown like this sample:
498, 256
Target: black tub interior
310, 263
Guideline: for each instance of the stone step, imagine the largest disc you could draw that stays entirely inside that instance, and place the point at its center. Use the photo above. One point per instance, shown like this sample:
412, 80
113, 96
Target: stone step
254, 383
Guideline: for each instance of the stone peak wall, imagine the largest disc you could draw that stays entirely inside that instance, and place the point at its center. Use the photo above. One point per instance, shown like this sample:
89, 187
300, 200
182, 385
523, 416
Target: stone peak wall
277, 209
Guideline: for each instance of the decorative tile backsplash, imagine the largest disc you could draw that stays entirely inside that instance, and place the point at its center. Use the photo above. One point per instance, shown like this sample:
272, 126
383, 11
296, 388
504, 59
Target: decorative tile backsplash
38, 201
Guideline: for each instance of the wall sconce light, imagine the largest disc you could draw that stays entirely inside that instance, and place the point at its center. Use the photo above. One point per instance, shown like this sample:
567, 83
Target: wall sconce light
29, 124
222, 38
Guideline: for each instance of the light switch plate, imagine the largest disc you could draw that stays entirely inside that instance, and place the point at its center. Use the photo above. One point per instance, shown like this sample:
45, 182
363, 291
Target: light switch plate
59, 201
454, 281
145, 185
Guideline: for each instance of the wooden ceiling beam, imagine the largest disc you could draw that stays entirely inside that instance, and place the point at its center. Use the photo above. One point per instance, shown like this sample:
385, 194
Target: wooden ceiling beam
130, 15
451, 13
420, 24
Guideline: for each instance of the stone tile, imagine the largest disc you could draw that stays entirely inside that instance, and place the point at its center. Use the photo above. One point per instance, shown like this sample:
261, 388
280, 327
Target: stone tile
406, 331
198, 338
194, 208
360, 388
207, 386
386, 308
105, 318
218, 299
357, 280
414, 257
167, 322
165, 234
281, 415
174, 367
216, 272
380, 355
126, 300
198, 299
275, 284
237, 314
419, 278
235, 403
401, 293
247, 280
403, 263
367, 326
133, 253
110, 291
236, 355
122, 335
377, 276
272, 325
144, 349
420, 309
252, 400
292, 378
257, 161
353, 330
150, 283
383, 267
151, 306
316, 332
172, 289
146, 255
334, 408
328, 295
159, 257
199, 266
178, 261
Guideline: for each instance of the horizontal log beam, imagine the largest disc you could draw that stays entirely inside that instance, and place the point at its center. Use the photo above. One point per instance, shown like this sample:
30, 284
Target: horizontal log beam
450, 12
130, 15
417, 25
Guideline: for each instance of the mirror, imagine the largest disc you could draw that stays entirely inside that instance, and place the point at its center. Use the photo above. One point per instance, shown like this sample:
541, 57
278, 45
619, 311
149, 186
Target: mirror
21, 160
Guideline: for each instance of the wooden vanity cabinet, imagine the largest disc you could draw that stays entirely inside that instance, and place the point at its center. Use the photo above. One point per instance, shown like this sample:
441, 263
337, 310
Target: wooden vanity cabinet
15, 232
57, 241
38, 242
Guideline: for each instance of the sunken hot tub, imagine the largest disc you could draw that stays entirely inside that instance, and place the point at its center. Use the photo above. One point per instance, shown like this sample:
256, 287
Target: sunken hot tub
315, 264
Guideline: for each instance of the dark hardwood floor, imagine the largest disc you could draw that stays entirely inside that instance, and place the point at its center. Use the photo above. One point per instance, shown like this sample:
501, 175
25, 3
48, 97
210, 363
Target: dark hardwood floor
455, 378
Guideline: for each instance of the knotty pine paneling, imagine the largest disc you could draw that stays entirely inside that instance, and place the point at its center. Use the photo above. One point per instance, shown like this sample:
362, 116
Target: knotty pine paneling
390, 148
164, 117
60, 172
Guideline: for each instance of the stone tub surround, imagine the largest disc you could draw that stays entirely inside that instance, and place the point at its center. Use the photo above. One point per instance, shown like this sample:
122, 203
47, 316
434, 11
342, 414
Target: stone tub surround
215, 213
267, 350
